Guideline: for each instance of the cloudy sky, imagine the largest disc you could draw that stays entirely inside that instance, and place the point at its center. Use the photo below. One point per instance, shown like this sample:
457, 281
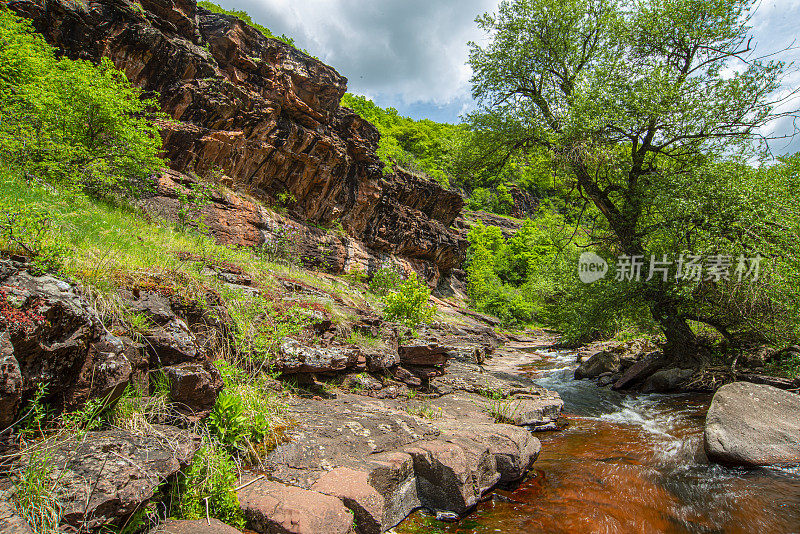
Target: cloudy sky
411, 54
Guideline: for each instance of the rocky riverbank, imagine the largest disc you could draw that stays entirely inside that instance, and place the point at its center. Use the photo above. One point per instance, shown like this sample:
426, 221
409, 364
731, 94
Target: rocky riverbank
373, 432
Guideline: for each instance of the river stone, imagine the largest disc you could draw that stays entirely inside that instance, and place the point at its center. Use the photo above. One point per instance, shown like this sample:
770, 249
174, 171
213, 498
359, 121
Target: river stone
667, 380
753, 424
275, 508
602, 362
640, 371
538, 413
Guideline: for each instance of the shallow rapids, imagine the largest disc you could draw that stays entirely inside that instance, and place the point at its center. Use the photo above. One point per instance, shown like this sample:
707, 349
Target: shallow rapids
629, 464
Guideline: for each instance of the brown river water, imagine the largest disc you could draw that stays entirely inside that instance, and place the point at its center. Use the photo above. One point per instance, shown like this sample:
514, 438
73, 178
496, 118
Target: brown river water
629, 464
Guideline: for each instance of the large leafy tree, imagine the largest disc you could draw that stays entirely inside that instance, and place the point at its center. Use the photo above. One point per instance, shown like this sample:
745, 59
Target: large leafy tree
643, 104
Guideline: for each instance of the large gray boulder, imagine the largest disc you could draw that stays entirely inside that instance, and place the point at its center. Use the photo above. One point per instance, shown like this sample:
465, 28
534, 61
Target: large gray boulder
753, 424
602, 362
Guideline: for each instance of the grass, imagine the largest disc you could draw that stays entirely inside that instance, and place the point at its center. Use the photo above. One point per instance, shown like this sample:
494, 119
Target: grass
34, 495
425, 410
503, 411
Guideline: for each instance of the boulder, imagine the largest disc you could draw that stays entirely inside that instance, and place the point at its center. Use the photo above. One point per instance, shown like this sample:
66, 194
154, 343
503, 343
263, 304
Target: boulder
172, 343
105, 373
50, 327
453, 476
104, 477
753, 424
194, 388
381, 360
596, 365
667, 380
10, 383
640, 371
274, 508
198, 526
294, 357
425, 354
514, 448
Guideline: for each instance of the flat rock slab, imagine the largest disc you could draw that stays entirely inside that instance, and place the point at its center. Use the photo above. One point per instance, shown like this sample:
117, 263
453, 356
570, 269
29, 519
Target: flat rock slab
493, 377
422, 353
275, 508
383, 463
538, 411
103, 477
10, 522
341, 432
752, 425
353, 488
200, 526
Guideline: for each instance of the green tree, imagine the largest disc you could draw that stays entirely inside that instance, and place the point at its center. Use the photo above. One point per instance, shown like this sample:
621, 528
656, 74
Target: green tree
636, 103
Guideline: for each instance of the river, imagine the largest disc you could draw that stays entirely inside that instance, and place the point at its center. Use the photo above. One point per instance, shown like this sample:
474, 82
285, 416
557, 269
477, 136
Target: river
628, 464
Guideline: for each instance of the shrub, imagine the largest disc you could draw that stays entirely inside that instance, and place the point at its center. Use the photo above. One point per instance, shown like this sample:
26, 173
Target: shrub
248, 417
386, 279
71, 121
409, 304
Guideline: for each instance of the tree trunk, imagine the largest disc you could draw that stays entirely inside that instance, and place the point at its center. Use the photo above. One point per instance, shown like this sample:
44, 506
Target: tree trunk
681, 347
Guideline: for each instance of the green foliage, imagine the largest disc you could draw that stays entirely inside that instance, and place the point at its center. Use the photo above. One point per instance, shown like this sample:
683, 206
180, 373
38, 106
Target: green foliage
34, 495
88, 417
248, 417
409, 303
513, 279
386, 279
635, 109
498, 201
210, 480
260, 324
419, 146
72, 122
35, 414
27, 229
228, 422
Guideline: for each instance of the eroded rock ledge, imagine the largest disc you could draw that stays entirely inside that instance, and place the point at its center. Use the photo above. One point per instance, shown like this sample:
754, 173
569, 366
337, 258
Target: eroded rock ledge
264, 118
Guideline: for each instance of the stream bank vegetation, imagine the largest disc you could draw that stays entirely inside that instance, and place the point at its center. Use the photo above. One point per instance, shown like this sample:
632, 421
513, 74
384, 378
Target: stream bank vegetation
651, 114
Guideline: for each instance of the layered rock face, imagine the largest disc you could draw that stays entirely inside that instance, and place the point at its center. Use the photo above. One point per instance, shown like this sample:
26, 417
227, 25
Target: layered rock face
260, 113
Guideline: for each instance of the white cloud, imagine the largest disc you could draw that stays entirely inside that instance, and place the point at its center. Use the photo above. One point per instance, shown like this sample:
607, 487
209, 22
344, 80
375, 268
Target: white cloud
407, 50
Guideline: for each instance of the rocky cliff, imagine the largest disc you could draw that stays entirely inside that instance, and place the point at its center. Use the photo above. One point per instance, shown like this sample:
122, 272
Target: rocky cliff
265, 119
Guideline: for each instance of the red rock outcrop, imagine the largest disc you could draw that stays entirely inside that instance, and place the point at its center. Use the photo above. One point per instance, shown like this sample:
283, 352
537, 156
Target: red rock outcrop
266, 115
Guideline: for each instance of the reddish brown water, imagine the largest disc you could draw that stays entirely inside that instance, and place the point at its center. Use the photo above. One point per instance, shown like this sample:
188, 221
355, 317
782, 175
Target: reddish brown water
630, 465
